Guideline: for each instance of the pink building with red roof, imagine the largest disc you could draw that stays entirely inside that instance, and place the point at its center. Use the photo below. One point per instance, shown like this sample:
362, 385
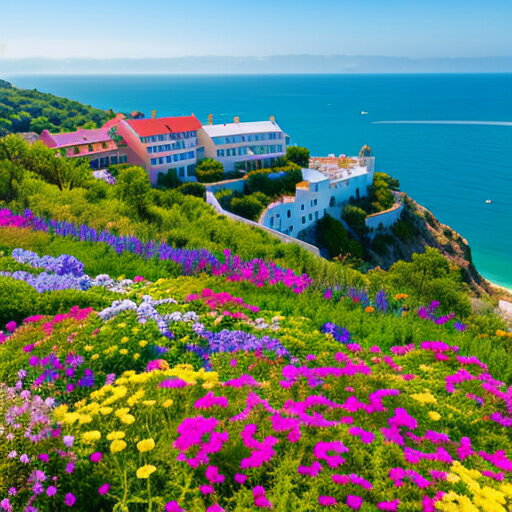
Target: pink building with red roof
96, 145
160, 144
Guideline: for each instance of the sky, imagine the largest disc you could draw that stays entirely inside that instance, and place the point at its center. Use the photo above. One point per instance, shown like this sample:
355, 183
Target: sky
176, 28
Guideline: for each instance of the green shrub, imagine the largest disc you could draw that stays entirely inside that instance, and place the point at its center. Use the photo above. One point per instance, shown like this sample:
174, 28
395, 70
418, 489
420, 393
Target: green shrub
17, 300
249, 207
193, 189
298, 155
355, 217
209, 171
333, 236
168, 180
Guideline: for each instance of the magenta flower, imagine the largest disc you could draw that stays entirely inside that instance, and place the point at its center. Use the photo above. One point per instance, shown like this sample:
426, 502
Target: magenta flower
103, 489
69, 499
51, 490
173, 506
354, 502
327, 501
96, 456
11, 326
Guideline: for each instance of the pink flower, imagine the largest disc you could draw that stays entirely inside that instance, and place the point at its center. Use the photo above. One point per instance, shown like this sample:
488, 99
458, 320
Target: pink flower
96, 456
390, 506
240, 478
11, 326
206, 489
103, 489
138, 279
173, 506
354, 502
326, 501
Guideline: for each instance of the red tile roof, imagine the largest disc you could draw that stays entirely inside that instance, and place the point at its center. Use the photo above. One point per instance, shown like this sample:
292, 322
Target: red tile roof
161, 125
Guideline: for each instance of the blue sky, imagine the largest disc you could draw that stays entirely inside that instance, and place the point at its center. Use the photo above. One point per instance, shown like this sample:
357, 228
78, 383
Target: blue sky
174, 28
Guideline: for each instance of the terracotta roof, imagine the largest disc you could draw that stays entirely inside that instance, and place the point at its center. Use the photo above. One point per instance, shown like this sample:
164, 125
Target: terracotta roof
61, 140
161, 125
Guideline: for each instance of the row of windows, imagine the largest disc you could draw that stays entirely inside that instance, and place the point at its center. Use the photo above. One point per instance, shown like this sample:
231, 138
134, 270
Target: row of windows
179, 144
233, 139
177, 157
78, 149
106, 161
168, 136
250, 150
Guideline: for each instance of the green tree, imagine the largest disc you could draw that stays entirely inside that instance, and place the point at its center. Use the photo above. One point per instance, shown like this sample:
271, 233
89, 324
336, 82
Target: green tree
209, 170
133, 188
298, 155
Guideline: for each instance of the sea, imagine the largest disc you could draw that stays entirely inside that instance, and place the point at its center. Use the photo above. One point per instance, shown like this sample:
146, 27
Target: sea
446, 137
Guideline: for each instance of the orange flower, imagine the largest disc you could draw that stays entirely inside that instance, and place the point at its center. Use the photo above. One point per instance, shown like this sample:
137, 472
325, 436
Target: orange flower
400, 296
369, 309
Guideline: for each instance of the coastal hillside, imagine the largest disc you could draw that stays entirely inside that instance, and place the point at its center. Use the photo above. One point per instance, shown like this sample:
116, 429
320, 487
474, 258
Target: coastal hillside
418, 229
24, 110
156, 356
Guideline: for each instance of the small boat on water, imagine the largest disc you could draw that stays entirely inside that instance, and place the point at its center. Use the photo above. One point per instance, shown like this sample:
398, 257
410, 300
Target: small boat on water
488, 201
363, 112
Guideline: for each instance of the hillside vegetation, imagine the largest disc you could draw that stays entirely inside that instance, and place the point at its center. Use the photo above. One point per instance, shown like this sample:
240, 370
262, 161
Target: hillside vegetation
158, 357
24, 110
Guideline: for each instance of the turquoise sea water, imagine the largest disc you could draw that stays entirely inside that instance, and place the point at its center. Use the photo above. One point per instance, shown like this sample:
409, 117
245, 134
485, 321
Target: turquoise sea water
450, 168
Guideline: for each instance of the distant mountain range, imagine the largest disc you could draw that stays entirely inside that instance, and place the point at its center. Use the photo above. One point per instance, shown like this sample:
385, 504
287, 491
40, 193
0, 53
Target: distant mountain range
247, 65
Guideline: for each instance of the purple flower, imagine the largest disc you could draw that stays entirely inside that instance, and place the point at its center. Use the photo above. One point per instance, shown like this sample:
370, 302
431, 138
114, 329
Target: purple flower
68, 441
96, 456
24, 458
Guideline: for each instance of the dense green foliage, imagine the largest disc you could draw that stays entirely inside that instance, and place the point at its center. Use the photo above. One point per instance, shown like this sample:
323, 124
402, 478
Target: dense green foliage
23, 110
274, 182
209, 171
355, 217
333, 236
168, 179
298, 155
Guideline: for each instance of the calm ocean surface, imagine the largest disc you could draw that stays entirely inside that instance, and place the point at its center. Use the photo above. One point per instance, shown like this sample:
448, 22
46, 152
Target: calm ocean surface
450, 168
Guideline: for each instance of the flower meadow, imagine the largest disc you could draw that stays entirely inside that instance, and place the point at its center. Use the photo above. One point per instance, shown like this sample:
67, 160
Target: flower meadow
236, 386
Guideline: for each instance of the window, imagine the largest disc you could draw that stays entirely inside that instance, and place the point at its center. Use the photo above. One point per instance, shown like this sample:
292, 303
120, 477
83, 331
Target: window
76, 150
289, 214
290, 229
104, 145
316, 215
154, 161
304, 220
310, 216
168, 159
314, 202
89, 147
220, 152
302, 207
123, 159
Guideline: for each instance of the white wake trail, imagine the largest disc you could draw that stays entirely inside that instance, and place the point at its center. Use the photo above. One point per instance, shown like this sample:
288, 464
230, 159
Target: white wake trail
481, 123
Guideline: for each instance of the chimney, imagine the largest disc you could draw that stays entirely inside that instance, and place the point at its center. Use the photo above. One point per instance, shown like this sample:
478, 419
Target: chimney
210, 118
153, 114
236, 119
272, 119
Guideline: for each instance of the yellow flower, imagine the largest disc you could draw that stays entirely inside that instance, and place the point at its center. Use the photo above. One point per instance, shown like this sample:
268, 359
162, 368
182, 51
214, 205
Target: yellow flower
121, 324
128, 419
145, 471
70, 417
125, 339
105, 410
115, 435
136, 356
117, 445
135, 330
88, 348
143, 343
145, 445
95, 356
149, 402
168, 403
122, 411
433, 415
123, 351
91, 436
84, 418
425, 398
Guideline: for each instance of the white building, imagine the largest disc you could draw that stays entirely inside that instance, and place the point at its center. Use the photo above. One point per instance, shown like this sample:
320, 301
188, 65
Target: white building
243, 146
326, 188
